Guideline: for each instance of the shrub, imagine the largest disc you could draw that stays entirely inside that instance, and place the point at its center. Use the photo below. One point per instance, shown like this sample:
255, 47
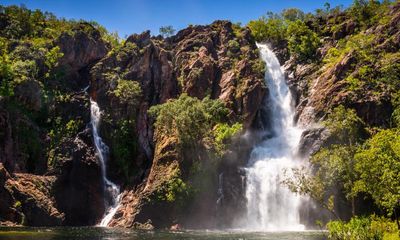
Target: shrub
363, 228
378, 164
190, 119
271, 29
125, 147
6, 76
167, 31
73, 126
233, 46
223, 133
175, 190
293, 14
128, 91
302, 41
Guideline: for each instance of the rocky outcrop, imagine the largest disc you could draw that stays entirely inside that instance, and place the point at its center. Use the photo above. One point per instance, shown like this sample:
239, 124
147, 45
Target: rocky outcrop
319, 87
200, 61
80, 48
49, 174
27, 199
78, 189
8, 212
312, 140
214, 60
7, 155
34, 199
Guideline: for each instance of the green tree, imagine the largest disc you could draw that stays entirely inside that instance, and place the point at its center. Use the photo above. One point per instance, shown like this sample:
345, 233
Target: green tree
128, 92
344, 125
271, 29
6, 75
124, 140
334, 165
334, 168
378, 164
167, 31
293, 14
190, 119
302, 41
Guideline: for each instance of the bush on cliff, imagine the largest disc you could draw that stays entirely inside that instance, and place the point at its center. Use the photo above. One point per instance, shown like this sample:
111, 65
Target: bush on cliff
271, 28
302, 41
188, 118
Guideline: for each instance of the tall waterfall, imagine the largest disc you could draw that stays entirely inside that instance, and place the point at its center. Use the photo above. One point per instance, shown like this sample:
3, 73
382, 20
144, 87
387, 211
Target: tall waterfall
270, 205
112, 191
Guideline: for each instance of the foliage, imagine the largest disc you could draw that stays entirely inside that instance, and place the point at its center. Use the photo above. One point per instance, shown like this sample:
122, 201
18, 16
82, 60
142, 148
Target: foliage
52, 56
175, 190
128, 92
293, 14
224, 133
271, 29
367, 12
396, 112
58, 132
302, 41
125, 147
73, 126
237, 29
233, 46
344, 125
6, 76
334, 165
125, 51
190, 119
334, 170
24, 70
258, 66
167, 31
363, 228
378, 164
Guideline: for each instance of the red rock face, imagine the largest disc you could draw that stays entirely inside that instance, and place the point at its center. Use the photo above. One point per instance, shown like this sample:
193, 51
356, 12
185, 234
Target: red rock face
69, 191
199, 61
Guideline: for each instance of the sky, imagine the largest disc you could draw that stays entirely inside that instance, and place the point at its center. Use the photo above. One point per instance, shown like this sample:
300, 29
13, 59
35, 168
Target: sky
135, 16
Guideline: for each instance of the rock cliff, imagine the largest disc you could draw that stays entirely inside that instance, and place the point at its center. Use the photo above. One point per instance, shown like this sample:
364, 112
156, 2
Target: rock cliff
49, 171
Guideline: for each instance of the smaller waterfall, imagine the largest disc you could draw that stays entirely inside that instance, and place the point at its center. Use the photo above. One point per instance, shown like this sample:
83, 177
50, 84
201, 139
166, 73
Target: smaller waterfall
111, 189
220, 191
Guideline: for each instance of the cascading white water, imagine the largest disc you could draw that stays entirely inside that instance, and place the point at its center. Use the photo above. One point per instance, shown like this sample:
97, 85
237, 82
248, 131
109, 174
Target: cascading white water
111, 189
270, 205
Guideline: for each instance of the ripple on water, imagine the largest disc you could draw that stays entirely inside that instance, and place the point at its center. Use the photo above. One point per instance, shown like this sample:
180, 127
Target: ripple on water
94, 233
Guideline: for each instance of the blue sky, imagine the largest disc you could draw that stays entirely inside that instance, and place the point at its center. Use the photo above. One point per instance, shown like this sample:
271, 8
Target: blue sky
135, 16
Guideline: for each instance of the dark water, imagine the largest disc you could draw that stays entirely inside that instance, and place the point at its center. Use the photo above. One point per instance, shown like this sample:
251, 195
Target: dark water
92, 233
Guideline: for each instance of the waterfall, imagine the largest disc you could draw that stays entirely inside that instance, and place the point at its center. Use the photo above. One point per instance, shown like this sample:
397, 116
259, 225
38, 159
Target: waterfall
220, 191
110, 189
270, 205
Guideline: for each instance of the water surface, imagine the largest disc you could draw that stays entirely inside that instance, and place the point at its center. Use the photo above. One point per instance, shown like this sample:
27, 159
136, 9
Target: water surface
93, 233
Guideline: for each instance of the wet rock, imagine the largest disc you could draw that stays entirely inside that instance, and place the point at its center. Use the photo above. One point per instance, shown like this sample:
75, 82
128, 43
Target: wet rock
143, 226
